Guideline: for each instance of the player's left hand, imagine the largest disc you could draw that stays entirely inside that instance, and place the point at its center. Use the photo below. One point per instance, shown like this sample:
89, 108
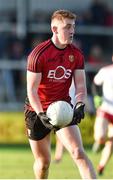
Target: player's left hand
78, 112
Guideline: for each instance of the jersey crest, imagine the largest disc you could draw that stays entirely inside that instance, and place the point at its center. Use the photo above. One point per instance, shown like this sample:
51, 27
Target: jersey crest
71, 58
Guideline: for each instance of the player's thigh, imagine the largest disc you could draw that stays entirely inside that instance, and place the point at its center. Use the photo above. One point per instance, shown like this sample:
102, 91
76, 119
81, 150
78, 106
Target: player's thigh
110, 130
41, 148
70, 137
100, 128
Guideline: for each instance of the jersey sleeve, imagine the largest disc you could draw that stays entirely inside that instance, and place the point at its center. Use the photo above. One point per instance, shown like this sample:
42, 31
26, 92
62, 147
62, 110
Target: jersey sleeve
34, 62
80, 61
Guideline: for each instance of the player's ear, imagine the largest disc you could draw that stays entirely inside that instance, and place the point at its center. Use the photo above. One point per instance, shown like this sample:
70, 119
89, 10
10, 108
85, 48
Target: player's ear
54, 29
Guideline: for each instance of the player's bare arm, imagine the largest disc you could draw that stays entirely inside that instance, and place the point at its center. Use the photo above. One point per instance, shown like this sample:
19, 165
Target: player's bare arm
33, 81
80, 85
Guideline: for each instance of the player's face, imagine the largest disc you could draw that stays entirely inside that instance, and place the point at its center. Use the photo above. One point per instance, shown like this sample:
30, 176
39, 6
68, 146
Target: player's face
65, 31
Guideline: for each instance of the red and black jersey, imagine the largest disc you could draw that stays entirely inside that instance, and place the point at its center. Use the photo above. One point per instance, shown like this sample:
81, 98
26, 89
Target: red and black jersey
57, 66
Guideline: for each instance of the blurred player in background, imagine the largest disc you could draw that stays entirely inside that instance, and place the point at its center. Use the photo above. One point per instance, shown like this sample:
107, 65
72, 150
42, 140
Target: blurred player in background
50, 69
59, 150
104, 118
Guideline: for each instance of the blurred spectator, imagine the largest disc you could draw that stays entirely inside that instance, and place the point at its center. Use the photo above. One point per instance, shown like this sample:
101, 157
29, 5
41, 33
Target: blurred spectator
109, 17
16, 52
7, 88
3, 44
87, 17
13, 79
40, 16
96, 55
80, 20
98, 12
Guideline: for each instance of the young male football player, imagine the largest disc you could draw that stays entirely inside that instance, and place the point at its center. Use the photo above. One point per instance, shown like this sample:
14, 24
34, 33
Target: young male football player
50, 68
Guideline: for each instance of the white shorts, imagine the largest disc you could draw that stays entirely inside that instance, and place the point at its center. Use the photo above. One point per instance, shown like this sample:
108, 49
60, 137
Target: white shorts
103, 125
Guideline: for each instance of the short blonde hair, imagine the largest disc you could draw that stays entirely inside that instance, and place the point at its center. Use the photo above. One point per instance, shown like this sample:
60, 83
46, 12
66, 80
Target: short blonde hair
62, 14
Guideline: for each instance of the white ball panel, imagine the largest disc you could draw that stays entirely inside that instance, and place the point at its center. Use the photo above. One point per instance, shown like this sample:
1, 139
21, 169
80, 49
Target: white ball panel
60, 113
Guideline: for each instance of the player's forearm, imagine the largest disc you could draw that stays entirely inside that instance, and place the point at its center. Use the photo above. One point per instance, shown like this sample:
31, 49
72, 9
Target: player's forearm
35, 101
81, 94
80, 85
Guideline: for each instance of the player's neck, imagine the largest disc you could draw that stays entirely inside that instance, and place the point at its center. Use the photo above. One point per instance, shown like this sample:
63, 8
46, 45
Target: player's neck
58, 44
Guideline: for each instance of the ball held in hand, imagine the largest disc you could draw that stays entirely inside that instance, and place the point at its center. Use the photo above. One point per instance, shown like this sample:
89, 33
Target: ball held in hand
60, 113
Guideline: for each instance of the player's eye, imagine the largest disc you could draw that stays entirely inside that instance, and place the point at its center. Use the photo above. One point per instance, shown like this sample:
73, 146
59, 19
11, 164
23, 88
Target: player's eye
70, 26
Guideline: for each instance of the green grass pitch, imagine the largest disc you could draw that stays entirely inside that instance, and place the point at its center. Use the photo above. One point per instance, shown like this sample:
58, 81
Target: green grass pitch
16, 163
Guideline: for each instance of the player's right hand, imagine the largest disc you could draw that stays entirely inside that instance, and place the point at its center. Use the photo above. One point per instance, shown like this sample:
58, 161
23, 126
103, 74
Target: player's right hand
45, 120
